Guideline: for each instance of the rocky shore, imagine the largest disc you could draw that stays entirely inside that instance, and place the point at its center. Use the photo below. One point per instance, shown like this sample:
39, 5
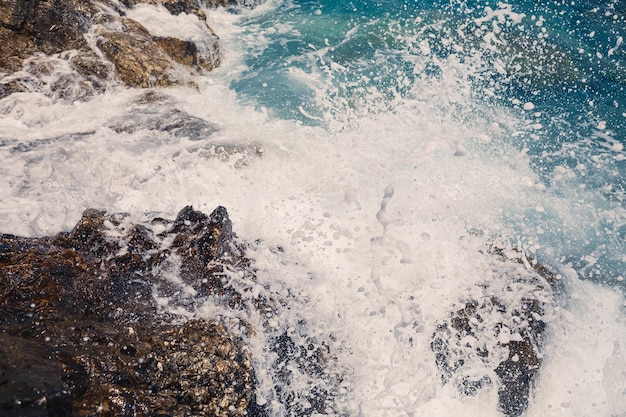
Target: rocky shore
81, 332
91, 42
86, 325
100, 321
84, 328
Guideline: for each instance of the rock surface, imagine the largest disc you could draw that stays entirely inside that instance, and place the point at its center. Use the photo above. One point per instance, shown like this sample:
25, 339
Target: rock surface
95, 35
81, 333
495, 336
84, 331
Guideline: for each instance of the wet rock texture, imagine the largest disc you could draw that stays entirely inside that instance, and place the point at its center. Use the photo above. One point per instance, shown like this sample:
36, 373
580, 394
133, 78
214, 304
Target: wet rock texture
495, 336
99, 43
81, 333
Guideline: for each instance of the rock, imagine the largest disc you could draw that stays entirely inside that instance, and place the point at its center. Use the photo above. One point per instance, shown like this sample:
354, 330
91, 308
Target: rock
310, 360
66, 77
177, 122
83, 331
53, 26
498, 333
182, 6
89, 64
31, 382
82, 334
16, 14
183, 52
156, 112
138, 60
14, 48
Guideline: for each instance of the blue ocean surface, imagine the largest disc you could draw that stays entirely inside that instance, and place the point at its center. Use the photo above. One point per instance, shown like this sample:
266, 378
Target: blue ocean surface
560, 66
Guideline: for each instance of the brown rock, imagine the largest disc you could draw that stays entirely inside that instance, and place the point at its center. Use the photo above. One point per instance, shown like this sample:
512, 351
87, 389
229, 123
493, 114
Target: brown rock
89, 64
15, 14
14, 48
183, 52
51, 27
81, 334
137, 58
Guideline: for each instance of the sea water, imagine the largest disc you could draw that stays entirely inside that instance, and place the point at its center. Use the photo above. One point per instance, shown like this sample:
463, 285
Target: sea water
382, 146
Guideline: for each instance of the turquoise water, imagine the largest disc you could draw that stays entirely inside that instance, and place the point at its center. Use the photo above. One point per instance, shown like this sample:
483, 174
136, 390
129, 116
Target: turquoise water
557, 67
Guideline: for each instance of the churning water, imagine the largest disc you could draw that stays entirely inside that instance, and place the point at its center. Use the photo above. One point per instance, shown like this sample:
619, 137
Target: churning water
375, 148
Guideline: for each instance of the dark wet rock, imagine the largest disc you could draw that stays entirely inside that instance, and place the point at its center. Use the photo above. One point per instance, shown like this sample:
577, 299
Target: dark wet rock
67, 77
498, 332
182, 6
31, 382
81, 332
301, 357
89, 64
53, 26
10, 86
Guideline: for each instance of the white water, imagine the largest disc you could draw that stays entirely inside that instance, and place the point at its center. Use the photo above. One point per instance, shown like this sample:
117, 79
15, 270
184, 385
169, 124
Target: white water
374, 220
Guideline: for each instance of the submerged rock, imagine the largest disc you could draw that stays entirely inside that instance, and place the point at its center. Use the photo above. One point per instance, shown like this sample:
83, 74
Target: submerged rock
156, 112
81, 332
495, 336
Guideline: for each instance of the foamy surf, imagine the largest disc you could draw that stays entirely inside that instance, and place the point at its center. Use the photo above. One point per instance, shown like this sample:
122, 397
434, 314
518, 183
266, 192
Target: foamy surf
381, 195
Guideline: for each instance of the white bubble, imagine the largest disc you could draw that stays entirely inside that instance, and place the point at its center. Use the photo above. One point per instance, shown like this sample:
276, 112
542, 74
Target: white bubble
529, 106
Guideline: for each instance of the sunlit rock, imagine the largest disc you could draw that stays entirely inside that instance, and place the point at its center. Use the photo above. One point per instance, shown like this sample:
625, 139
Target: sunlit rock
87, 31
138, 60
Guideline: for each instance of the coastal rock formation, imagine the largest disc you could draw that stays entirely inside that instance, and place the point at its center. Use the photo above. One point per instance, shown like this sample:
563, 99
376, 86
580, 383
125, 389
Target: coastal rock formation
495, 336
102, 321
81, 332
99, 43
154, 111
139, 61
33, 26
